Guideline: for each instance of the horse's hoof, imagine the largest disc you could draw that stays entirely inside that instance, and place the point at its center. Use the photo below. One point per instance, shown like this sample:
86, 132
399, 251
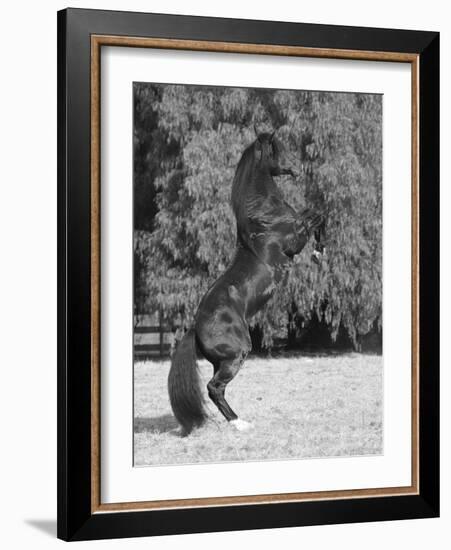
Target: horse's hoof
316, 257
241, 425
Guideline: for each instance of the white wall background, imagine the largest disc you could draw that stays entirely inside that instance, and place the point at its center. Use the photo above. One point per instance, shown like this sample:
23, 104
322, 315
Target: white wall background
28, 272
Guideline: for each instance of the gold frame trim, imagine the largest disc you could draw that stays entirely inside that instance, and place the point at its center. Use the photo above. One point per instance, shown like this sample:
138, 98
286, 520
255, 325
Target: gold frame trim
97, 41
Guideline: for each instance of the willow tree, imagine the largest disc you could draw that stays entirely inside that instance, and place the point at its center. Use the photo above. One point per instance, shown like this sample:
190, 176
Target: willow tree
334, 142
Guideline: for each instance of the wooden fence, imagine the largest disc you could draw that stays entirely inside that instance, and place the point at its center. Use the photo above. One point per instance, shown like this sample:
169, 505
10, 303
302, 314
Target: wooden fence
151, 338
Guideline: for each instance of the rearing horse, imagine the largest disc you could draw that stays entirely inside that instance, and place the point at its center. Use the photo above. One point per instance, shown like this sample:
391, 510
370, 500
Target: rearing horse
269, 234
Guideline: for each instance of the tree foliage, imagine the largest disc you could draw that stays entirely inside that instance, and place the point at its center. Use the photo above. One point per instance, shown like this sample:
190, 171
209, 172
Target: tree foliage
187, 143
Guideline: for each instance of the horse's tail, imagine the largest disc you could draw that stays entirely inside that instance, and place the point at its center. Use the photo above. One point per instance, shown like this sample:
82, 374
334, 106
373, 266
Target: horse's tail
184, 386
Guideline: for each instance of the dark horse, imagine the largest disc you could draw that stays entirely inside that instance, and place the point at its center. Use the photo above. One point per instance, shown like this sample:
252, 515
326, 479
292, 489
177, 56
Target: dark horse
269, 234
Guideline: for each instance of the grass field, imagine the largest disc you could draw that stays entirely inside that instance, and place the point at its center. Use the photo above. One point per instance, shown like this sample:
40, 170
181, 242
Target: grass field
301, 407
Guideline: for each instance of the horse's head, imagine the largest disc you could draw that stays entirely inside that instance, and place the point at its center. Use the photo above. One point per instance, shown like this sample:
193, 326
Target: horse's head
268, 153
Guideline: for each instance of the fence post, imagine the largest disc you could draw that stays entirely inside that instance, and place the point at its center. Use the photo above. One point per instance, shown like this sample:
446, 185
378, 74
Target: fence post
161, 333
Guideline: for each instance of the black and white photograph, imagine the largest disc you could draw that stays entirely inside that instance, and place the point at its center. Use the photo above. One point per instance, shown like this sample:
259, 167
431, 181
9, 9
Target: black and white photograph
257, 241
225, 290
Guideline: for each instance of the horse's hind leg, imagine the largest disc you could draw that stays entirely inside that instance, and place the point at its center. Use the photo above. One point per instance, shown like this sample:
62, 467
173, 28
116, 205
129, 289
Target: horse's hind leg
224, 373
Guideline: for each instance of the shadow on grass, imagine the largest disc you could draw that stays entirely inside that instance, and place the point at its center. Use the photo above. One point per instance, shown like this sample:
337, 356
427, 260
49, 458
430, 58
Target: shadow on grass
157, 425
298, 354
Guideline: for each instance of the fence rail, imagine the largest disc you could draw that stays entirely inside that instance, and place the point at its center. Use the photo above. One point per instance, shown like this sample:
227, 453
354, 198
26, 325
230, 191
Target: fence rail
149, 330
151, 338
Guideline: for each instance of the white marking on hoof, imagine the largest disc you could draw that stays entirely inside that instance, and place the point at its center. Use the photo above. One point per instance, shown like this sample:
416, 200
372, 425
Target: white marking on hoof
241, 425
317, 254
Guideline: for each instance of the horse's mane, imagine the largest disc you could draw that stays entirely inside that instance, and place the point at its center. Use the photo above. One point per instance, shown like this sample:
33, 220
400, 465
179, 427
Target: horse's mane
242, 175
246, 203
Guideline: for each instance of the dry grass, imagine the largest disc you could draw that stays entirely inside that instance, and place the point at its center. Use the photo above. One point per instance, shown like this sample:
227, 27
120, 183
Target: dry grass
300, 407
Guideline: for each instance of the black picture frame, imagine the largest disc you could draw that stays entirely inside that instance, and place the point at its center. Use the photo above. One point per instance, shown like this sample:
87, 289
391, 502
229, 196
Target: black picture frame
76, 519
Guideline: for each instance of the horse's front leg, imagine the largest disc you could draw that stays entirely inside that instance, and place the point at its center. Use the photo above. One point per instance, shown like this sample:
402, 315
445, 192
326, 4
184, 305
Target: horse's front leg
319, 250
283, 172
310, 221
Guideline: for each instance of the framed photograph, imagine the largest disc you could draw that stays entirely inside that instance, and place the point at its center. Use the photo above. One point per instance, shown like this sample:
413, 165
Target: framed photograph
248, 274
